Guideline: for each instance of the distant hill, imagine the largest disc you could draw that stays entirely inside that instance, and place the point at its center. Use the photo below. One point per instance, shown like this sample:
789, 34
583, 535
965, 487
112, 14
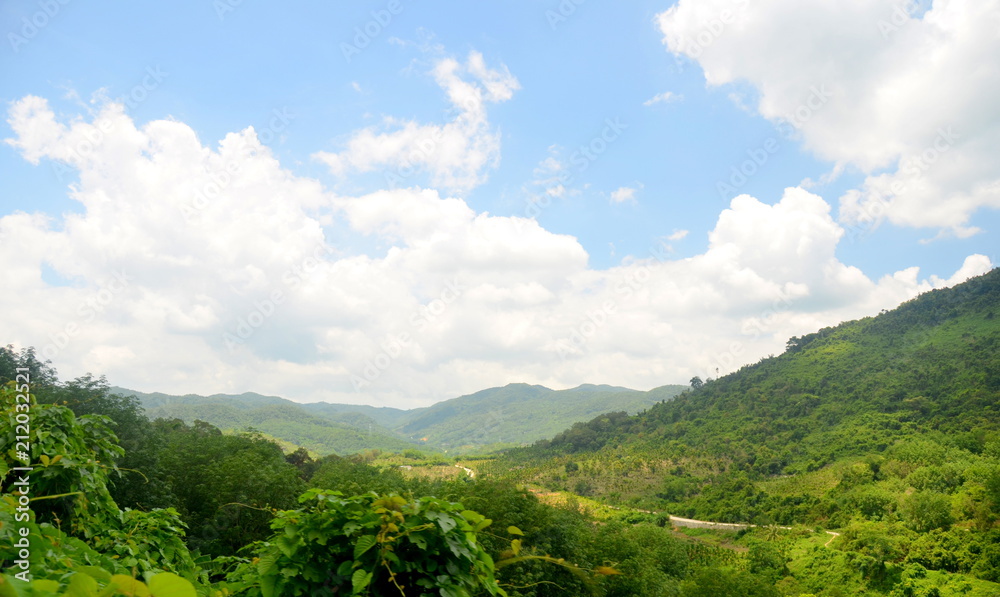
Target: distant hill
282, 419
522, 413
515, 414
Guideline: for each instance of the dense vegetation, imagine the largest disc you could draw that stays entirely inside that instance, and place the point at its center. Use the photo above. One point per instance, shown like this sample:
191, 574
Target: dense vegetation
883, 431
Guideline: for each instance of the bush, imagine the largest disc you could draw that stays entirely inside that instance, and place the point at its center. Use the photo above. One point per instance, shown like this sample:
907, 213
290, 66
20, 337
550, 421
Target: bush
371, 545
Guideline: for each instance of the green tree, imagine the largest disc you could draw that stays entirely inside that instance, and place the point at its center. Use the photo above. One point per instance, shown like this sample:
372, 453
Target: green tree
723, 582
927, 510
138, 482
226, 486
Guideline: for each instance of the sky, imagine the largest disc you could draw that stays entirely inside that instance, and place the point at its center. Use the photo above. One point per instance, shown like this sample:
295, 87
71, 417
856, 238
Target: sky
399, 202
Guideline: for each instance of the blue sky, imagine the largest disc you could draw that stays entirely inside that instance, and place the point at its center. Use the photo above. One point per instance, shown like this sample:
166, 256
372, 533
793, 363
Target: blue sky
218, 68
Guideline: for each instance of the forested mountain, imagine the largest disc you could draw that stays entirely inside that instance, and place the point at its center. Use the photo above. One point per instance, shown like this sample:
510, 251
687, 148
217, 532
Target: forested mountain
522, 413
850, 420
929, 368
281, 419
512, 415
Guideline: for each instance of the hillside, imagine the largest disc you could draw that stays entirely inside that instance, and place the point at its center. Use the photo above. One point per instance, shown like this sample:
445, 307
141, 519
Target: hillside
282, 419
522, 413
514, 414
909, 389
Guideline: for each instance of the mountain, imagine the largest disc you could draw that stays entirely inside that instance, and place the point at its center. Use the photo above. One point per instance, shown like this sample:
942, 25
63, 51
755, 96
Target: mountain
912, 389
515, 414
522, 413
282, 419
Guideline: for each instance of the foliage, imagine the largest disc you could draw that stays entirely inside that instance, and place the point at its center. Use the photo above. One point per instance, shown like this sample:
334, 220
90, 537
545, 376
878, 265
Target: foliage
723, 582
148, 542
927, 510
94, 582
369, 544
226, 487
351, 477
650, 560
138, 482
72, 457
41, 373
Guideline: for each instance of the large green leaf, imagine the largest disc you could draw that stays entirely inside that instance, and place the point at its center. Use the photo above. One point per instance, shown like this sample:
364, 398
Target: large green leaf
360, 580
168, 584
81, 585
129, 586
364, 544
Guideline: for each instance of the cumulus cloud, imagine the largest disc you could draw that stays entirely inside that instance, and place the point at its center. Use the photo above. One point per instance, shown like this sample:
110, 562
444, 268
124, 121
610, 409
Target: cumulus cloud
457, 154
195, 268
910, 98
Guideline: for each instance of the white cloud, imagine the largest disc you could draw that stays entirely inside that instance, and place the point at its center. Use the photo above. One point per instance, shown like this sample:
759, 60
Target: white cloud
624, 194
913, 100
457, 154
677, 235
666, 97
455, 301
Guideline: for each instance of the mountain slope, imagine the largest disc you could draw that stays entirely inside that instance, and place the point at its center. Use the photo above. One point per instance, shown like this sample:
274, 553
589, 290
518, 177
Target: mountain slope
277, 417
926, 373
514, 414
522, 413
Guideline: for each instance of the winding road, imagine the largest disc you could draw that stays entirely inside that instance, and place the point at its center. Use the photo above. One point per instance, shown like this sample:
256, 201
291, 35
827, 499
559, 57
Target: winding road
691, 523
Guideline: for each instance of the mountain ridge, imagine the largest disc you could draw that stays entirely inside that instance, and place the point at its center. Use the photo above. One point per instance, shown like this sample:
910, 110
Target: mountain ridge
505, 415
